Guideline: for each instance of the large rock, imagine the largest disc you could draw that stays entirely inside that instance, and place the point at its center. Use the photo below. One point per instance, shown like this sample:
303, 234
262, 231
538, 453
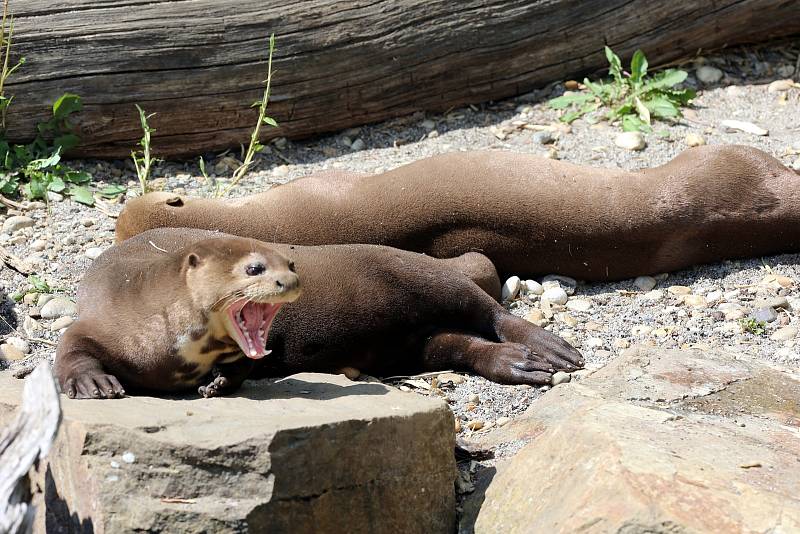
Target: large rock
309, 453
656, 442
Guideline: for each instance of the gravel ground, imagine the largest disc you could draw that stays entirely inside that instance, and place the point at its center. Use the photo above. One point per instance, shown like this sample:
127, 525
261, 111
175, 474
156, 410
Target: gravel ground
601, 319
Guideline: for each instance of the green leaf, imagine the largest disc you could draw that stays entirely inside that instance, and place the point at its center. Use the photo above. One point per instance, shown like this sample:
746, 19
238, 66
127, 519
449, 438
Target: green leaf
571, 116
664, 79
272, 122
662, 107
638, 66
56, 184
38, 284
66, 104
565, 101
682, 96
77, 177
39, 164
642, 110
632, 123
112, 191
81, 194
614, 64
36, 188
9, 185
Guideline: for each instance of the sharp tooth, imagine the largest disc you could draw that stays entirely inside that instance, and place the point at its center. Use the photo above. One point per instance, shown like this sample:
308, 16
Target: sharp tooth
267, 352
253, 352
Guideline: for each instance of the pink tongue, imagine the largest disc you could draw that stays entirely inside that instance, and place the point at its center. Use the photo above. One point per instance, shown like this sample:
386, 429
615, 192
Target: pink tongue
253, 316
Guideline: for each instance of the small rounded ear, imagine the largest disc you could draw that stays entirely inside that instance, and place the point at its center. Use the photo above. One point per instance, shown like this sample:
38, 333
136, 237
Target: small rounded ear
174, 201
192, 260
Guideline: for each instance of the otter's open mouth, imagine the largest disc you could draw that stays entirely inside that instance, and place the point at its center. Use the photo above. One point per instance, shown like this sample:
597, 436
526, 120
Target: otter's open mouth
250, 323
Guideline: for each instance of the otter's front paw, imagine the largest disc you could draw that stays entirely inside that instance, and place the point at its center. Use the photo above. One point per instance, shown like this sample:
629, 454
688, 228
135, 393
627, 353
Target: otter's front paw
216, 388
93, 385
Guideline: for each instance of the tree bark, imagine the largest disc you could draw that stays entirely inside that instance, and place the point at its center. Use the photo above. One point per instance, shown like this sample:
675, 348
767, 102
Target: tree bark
199, 64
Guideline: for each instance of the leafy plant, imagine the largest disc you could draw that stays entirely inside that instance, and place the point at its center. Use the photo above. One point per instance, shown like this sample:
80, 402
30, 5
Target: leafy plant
38, 286
36, 168
143, 161
750, 325
255, 146
633, 98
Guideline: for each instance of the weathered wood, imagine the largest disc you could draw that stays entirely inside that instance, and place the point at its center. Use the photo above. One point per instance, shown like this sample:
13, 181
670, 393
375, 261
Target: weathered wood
199, 64
25, 441
14, 262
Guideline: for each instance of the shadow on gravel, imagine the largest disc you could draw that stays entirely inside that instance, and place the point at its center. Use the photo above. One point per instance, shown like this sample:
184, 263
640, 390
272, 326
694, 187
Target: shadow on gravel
8, 319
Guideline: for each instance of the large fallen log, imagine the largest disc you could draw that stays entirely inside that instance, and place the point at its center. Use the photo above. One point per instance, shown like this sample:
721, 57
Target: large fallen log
200, 64
25, 441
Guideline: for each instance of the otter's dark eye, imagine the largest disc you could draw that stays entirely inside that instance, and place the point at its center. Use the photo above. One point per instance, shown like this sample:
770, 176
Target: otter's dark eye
291, 266
254, 269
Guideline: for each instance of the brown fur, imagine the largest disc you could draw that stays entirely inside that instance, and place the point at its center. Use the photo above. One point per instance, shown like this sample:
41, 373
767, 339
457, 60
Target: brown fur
528, 214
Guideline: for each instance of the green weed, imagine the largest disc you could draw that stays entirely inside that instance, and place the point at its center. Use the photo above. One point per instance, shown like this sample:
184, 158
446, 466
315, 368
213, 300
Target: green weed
750, 325
634, 98
142, 161
254, 146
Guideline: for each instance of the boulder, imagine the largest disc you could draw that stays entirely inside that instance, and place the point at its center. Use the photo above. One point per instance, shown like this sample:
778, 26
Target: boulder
658, 441
308, 453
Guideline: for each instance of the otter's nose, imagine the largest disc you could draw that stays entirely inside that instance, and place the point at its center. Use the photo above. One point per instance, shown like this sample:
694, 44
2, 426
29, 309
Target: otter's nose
287, 282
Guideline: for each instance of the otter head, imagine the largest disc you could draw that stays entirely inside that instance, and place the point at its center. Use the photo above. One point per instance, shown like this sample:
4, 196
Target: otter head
241, 285
153, 210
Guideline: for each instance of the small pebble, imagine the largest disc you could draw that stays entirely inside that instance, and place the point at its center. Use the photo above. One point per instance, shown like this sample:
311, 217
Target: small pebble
128, 457
555, 295
543, 137
620, 343
708, 74
568, 320
784, 334
357, 145
565, 282
19, 343
88, 222
43, 298
61, 322
474, 398
679, 290
536, 317
475, 425
58, 307
630, 140
114, 464
579, 305
696, 301
10, 352
766, 315
428, 124
780, 85
560, 377
694, 139
93, 252
451, 378
532, 287
502, 421
39, 245
510, 288
16, 223
645, 283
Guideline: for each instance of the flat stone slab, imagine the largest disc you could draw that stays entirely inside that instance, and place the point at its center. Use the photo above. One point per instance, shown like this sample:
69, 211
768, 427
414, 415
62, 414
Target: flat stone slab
308, 453
658, 441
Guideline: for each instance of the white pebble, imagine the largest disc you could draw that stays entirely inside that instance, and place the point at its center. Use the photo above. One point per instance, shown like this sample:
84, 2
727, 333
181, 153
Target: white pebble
556, 295
58, 307
780, 85
60, 323
560, 377
565, 282
654, 295
502, 421
694, 139
358, 144
579, 305
784, 334
19, 343
510, 288
532, 287
17, 222
630, 140
128, 457
39, 245
708, 74
93, 252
